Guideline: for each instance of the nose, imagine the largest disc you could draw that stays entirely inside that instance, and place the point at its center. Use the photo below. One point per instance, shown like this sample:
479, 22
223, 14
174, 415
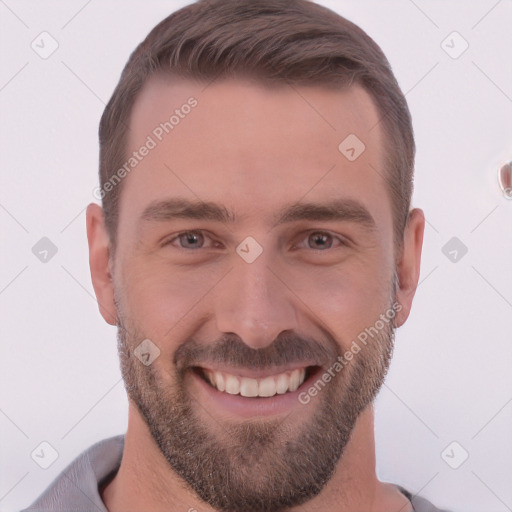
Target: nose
254, 303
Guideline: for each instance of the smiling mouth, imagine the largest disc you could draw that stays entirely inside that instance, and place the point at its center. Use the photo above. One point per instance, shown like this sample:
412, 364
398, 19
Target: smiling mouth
278, 384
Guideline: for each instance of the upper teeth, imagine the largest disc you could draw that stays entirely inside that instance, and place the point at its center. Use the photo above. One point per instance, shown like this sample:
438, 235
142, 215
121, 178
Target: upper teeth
245, 386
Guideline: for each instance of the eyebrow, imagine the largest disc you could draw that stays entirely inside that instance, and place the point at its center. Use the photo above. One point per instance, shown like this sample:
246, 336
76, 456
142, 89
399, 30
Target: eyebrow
184, 209
334, 210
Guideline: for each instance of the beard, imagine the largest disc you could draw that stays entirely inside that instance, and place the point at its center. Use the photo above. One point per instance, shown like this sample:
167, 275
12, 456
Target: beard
259, 464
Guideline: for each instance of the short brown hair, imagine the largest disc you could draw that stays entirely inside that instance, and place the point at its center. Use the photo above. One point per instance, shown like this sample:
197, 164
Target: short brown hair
283, 41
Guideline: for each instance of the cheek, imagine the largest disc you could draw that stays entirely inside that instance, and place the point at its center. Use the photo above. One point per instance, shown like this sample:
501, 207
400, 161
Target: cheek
160, 297
347, 299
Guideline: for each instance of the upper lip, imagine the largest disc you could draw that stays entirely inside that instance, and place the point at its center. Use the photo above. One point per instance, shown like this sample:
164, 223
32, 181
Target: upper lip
256, 373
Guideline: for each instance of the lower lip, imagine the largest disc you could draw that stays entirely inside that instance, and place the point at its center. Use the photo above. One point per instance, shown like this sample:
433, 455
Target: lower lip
247, 407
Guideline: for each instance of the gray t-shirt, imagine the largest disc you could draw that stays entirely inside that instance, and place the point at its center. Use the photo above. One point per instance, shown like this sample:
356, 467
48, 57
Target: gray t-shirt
76, 489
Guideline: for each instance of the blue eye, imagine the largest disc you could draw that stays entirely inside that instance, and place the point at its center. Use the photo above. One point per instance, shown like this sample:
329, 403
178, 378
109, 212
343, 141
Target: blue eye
190, 240
324, 240
193, 240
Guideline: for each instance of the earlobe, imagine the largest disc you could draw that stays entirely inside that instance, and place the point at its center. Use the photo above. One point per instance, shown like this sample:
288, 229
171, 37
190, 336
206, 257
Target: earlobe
99, 263
408, 267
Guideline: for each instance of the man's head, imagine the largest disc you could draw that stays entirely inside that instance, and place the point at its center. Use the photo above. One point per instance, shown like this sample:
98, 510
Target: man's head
263, 242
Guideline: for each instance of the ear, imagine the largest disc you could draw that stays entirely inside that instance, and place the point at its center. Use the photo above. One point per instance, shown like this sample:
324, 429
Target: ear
408, 267
99, 263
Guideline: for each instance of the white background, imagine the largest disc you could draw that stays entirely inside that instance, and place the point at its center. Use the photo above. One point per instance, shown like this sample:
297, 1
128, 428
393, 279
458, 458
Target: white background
451, 375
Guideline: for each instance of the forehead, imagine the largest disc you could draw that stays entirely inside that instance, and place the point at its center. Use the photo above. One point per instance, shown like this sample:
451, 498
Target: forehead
252, 147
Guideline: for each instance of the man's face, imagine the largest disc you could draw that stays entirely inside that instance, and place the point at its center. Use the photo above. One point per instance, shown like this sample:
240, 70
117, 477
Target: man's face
235, 316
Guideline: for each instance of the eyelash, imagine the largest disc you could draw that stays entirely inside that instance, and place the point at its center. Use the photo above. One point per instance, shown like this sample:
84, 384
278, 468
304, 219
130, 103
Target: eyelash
342, 241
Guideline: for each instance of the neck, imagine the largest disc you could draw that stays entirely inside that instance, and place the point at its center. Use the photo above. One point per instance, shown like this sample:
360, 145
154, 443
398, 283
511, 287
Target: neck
145, 481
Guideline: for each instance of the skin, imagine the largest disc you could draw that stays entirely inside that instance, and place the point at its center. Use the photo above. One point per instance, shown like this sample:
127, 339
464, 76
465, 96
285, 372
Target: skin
252, 149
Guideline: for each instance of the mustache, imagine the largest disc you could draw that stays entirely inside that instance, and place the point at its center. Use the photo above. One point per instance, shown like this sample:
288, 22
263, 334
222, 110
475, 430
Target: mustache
288, 348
